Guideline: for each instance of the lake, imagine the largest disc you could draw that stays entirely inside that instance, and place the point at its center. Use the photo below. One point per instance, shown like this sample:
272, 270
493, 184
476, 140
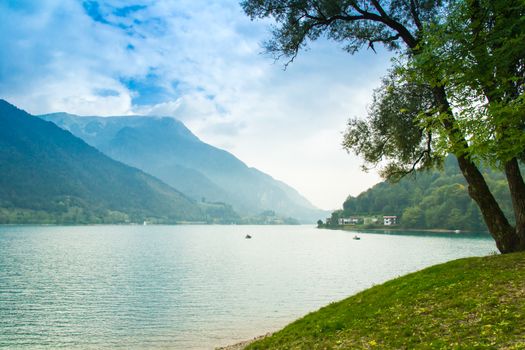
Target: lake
190, 287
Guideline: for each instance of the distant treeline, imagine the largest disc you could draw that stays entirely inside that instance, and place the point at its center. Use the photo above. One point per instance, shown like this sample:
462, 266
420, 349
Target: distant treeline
428, 200
68, 210
74, 211
49, 176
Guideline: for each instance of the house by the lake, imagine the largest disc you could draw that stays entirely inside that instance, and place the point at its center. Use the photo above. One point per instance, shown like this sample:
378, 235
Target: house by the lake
389, 220
349, 221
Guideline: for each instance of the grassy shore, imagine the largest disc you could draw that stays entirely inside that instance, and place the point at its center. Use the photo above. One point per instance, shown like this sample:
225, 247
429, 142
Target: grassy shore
474, 303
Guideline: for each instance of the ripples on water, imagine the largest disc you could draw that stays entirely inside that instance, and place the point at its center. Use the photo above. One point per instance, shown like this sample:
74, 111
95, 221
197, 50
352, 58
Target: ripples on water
189, 287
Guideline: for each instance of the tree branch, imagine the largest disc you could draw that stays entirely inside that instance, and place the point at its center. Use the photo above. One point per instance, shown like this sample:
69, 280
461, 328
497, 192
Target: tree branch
415, 15
427, 151
383, 17
382, 40
379, 8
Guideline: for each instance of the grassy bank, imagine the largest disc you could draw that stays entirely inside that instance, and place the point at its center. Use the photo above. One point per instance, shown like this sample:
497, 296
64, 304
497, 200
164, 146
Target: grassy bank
474, 303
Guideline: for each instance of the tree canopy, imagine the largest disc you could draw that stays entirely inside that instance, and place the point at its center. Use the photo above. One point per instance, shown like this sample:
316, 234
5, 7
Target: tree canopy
457, 86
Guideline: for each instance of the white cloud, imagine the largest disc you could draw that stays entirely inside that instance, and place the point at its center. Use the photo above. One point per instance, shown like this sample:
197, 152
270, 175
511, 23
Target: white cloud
197, 61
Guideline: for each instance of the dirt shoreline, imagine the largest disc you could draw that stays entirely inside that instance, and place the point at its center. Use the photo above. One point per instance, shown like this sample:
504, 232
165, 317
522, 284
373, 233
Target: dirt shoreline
241, 345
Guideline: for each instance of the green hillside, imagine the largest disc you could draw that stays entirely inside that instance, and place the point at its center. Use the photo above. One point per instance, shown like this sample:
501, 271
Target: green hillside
47, 175
428, 200
167, 149
474, 303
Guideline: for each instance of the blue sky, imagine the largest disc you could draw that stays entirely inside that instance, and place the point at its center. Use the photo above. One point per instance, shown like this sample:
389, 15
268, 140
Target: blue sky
200, 62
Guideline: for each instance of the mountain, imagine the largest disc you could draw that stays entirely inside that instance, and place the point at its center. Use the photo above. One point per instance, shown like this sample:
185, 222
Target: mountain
429, 200
167, 149
47, 175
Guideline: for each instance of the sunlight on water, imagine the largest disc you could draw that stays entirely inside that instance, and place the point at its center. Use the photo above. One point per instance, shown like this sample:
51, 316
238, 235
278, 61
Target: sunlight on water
190, 287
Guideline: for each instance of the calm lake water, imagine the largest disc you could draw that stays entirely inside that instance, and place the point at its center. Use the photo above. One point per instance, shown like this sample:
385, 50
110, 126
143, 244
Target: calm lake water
190, 287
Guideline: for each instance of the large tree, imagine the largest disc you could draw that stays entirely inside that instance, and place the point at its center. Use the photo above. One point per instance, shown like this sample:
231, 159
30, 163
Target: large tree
457, 86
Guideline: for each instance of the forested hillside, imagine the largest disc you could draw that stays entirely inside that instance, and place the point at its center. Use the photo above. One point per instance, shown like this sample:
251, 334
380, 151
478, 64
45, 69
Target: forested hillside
47, 175
167, 149
428, 200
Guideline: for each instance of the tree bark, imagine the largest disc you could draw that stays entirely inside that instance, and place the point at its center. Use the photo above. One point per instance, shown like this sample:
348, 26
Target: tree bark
517, 193
499, 227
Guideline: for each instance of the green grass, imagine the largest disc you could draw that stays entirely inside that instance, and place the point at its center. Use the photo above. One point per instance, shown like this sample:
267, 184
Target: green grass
474, 303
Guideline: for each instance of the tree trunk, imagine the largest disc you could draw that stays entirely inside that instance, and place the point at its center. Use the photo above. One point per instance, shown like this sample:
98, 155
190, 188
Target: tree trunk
508, 239
517, 193
499, 227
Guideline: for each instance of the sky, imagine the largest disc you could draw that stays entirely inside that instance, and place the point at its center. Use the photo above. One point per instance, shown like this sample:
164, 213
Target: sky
201, 62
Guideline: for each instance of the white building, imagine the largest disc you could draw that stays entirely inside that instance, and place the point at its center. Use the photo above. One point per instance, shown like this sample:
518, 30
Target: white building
389, 220
348, 221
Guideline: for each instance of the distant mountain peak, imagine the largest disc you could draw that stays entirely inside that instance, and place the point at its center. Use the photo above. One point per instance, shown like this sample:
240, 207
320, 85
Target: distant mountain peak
6, 105
47, 175
167, 149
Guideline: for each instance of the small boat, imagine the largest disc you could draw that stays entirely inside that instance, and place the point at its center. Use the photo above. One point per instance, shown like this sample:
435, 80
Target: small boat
356, 237
248, 237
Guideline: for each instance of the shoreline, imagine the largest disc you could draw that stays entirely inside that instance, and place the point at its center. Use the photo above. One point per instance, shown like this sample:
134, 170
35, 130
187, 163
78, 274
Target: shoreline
242, 344
353, 228
425, 294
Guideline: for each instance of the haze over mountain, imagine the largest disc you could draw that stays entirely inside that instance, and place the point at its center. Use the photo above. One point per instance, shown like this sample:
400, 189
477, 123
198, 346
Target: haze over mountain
47, 175
165, 148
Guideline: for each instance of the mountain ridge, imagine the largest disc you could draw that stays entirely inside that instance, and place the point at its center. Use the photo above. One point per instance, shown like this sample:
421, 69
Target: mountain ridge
47, 175
167, 149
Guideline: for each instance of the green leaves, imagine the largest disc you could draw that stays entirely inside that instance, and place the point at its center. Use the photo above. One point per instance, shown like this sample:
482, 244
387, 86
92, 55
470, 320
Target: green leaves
473, 49
478, 54
398, 128
458, 86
